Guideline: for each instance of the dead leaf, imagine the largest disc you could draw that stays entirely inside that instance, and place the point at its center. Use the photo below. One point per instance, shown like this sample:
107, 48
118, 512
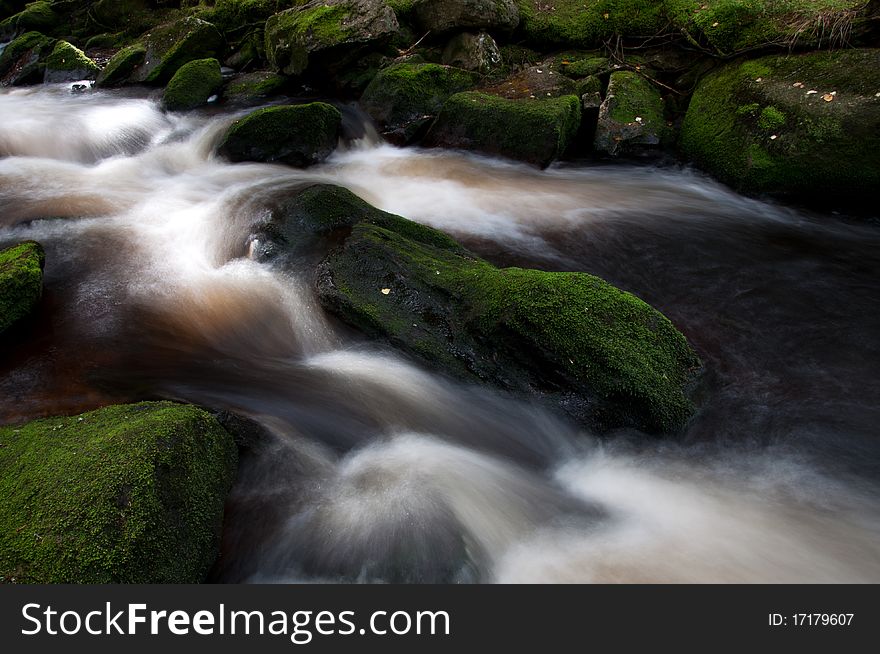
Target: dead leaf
386, 291
828, 97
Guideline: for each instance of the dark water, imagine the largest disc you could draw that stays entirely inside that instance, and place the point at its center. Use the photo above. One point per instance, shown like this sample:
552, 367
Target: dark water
378, 469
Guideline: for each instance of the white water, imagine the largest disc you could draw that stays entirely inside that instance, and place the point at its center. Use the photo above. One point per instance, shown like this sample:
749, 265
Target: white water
380, 469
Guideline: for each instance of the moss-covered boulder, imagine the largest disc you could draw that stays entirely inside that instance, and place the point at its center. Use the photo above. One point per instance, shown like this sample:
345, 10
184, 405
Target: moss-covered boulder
477, 52
536, 131
631, 118
192, 85
170, 46
446, 15
600, 353
21, 282
21, 60
121, 66
67, 63
298, 135
804, 126
126, 494
255, 86
37, 16
404, 98
294, 35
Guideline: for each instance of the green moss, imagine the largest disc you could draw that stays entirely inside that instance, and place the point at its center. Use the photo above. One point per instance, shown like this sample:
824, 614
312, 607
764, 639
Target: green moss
537, 131
104, 41
32, 43
588, 67
302, 31
822, 150
635, 98
298, 135
235, 15
404, 97
170, 46
192, 85
260, 84
36, 16
566, 332
21, 282
122, 65
130, 494
68, 63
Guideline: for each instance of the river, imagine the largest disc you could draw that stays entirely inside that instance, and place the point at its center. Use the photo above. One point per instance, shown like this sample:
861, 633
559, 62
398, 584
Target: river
379, 469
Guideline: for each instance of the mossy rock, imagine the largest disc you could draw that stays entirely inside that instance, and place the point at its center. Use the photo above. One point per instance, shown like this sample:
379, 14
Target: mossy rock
121, 66
130, 16
21, 60
36, 16
298, 135
804, 126
21, 282
255, 86
477, 52
632, 116
170, 46
67, 63
125, 494
439, 16
234, 16
600, 353
404, 98
294, 35
536, 131
193, 85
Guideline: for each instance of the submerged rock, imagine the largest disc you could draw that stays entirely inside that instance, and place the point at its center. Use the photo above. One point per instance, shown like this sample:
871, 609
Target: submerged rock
631, 116
293, 35
536, 131
803, 126
404, 98
298, 135
126, 494
600, 353
21, 60
68, 63
192, 85
446, 15
21, 281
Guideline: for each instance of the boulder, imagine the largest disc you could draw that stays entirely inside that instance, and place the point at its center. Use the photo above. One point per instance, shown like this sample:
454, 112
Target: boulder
121, 66
294, 35
21, 60
404, 98
37, 16
170, 46
536, 131
598, 352
538, 81
255, 86
446, 15
298, 135
21, 282
802, 126
193, 85
477, 52
125, 494
68, 63
631, 118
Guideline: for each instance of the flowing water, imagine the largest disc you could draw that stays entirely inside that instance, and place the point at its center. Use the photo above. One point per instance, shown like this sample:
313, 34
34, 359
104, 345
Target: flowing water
377, 468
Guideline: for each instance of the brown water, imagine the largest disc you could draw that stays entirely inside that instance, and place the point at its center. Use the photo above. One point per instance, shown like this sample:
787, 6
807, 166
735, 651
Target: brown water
380, 469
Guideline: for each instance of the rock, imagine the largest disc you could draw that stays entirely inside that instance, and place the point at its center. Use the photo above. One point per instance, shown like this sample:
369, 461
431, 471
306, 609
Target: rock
294, 35
36, 16
536, 131
590, 90
121, 66
537, 81
170, 46
298, 135
477, 52
125, 494
254, 86
192, 85
133, 16
631, 117
404, 98
20, 61
801, 126
597, 351
445, 15
21, 282
68, 63
584, 67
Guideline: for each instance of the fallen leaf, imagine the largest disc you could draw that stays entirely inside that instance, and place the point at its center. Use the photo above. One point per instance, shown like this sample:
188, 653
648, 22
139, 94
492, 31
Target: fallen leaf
715, 24
812, 92
774, 137
828, 97
798, 85
760, 79
386, 291
638, 119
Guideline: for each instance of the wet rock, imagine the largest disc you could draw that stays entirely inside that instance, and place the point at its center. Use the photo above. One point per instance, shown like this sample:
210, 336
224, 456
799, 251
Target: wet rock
193, 85
446, 15
21, 60
36, 16
538, 81
802, 126
404, 98
254, 87
298, 135
477, 52
21, 282
144, 487
631, 117
536, 131
121, 66
295, 35
68, 63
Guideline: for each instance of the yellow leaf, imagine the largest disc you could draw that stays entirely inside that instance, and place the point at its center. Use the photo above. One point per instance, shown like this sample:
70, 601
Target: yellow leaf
386, 291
